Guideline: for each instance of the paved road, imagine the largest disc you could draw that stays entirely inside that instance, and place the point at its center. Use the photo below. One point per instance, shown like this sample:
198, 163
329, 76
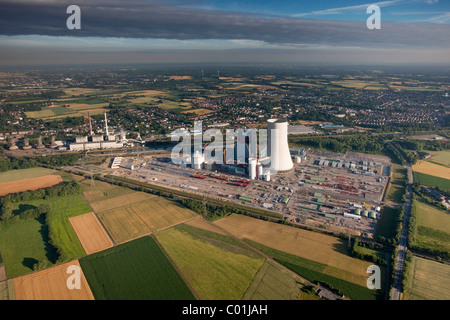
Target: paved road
401, 249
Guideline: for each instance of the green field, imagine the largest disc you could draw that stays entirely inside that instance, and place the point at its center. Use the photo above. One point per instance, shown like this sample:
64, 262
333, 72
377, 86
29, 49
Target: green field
15, 175
432, 181
440, 157
23, 244
315, 271
137, 270
397, 186
274, 282
428, 280
217, 266
432, 227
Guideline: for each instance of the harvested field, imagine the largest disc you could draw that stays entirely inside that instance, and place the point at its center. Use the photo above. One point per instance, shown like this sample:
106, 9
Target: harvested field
6, 290
273, 282
29, 184
51, 284
91, 233
431, 169
327, 250
429, 280
121, 201
205, 225
135, 220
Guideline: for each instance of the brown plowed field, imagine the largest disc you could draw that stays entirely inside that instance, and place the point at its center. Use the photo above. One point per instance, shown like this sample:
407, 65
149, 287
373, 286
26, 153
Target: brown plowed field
51, 284
29, 184
91, 233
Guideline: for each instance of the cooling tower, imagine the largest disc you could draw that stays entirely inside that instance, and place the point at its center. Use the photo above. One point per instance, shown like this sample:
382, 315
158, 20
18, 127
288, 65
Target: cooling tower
278, 148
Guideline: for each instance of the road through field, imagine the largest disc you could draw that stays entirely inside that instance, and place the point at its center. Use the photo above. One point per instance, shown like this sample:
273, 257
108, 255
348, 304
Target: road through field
401, 249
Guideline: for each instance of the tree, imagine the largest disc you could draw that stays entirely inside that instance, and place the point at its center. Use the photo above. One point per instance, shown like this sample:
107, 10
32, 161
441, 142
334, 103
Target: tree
6, 212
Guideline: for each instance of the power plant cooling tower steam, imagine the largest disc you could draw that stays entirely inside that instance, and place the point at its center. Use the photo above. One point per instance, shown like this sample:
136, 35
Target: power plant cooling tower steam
277, 146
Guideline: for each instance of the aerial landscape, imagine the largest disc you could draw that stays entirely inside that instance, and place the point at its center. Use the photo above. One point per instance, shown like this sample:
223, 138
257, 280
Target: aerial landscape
217, 150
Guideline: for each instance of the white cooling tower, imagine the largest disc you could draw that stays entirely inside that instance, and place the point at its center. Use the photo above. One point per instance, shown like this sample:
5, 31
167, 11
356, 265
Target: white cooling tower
278, 148
252, 168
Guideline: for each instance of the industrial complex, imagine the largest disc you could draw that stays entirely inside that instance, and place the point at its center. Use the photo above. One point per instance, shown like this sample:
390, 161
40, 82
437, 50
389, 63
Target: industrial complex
341, 193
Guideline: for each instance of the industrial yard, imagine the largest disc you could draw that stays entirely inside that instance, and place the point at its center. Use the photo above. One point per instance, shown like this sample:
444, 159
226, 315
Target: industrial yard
340, 193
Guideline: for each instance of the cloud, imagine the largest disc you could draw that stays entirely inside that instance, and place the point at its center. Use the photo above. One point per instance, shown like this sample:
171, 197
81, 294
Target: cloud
341, 10
171, 20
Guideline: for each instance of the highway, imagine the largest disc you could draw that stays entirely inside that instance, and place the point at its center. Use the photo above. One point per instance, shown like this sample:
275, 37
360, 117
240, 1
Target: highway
401, 248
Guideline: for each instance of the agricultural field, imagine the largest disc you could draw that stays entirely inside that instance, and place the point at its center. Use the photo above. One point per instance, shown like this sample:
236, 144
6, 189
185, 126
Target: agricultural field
432, 169
318, 253
432, 227
428, 280
135, 270
133, 220
216, 266
29, 184
6, 290
51, 284
432, 181
274, 282
91, 233
67, 109
22, 174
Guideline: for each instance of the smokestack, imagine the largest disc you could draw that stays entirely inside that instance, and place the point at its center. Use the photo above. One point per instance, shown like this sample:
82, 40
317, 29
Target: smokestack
90, 124
277, 146
106, 128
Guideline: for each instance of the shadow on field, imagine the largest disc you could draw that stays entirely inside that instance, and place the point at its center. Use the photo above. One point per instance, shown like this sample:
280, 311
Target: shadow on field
50, 251
29, 262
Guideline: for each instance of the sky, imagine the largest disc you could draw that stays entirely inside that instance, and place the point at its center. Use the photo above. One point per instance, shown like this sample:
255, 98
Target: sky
34, 32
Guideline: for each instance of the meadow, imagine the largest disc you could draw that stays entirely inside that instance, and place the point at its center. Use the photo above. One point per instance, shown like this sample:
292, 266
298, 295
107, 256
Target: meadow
432, 181
216, 266
440, 157
428, 280
136, 270
432, 230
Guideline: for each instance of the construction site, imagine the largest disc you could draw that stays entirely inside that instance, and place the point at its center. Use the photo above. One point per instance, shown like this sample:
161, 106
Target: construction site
335, 192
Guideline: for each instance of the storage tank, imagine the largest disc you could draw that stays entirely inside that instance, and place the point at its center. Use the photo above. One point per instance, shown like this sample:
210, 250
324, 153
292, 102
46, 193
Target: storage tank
277, 146
259, 170
252, 168
298, 159
365, 213
358, 211
372, 215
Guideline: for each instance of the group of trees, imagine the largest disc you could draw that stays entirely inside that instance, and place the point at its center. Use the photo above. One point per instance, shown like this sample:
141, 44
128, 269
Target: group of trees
208, 211
354, 252
64, 189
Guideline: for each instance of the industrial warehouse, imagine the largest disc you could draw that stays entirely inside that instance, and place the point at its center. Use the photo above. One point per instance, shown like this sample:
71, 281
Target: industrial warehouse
341, 193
